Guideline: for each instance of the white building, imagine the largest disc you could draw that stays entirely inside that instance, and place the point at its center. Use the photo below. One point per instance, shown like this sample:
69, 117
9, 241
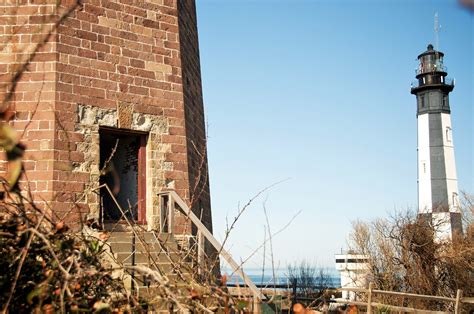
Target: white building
354, 272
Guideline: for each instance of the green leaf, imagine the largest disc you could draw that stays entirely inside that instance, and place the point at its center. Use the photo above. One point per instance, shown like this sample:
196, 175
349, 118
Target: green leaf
242, 304
94, 246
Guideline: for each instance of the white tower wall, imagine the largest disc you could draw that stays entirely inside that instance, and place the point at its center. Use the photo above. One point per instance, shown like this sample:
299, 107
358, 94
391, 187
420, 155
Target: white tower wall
424, 165
450, 163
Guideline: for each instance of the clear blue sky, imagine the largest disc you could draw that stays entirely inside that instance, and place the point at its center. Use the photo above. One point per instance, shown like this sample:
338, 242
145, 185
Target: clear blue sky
319, 92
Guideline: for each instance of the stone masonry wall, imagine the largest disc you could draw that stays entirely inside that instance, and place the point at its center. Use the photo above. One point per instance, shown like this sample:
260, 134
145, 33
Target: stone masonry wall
116, 64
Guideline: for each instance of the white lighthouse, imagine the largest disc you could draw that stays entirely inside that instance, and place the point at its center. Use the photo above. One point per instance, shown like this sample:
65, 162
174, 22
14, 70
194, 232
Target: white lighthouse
437, 179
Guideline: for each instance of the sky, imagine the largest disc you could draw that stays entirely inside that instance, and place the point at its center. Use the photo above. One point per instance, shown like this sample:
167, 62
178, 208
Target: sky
317, 94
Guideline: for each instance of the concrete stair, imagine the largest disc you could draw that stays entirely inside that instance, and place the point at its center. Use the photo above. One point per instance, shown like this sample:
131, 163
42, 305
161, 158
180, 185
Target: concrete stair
156, 251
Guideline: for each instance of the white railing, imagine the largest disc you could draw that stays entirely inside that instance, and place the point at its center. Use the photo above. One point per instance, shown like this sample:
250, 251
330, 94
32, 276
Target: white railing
168, 201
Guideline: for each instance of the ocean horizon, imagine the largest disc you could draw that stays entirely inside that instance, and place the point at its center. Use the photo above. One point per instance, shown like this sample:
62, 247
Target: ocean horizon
260, 277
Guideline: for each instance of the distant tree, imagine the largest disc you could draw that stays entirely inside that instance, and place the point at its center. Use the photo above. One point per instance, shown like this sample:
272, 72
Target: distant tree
304, 274
311, 280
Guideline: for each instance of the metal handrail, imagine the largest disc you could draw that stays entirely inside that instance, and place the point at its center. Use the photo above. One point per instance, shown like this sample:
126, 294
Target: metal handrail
447, 81
176, 199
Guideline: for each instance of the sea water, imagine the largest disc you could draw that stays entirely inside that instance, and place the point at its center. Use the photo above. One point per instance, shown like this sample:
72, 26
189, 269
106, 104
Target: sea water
266, 277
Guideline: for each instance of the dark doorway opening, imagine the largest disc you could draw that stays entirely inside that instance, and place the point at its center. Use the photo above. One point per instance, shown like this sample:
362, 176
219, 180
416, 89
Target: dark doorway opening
123, 164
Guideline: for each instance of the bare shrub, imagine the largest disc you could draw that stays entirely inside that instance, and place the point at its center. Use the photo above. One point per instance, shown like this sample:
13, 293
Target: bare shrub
311, 280
46, 268
404, 256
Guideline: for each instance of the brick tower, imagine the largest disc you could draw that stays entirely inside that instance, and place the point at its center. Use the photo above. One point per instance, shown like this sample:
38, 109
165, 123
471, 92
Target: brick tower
112, 94
437, 179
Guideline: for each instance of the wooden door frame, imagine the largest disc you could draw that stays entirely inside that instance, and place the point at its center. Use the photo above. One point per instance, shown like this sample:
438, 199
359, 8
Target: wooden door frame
142, 180
141, 176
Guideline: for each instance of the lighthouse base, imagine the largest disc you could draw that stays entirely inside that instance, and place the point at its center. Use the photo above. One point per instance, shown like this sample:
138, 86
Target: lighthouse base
445, 224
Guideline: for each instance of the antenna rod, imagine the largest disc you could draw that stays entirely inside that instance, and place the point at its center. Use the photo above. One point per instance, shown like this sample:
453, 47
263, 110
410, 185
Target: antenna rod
436, 31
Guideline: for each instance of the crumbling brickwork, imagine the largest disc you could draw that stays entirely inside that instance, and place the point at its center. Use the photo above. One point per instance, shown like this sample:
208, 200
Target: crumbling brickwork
131, 65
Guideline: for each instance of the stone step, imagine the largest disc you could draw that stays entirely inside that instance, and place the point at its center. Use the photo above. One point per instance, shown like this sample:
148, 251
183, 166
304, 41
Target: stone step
141, 257
148, 237
176, 275
167, 269
123, 246
159, 250
183, 278
153, 291
164, 267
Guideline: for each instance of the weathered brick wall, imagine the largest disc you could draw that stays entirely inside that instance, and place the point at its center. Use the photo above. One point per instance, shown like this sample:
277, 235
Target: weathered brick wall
119, 54
23, 30
109, 60
194, 111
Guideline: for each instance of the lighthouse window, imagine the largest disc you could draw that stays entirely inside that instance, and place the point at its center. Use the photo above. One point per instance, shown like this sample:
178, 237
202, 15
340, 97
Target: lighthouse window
444, 101
455, 199
422, 98
448, 134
